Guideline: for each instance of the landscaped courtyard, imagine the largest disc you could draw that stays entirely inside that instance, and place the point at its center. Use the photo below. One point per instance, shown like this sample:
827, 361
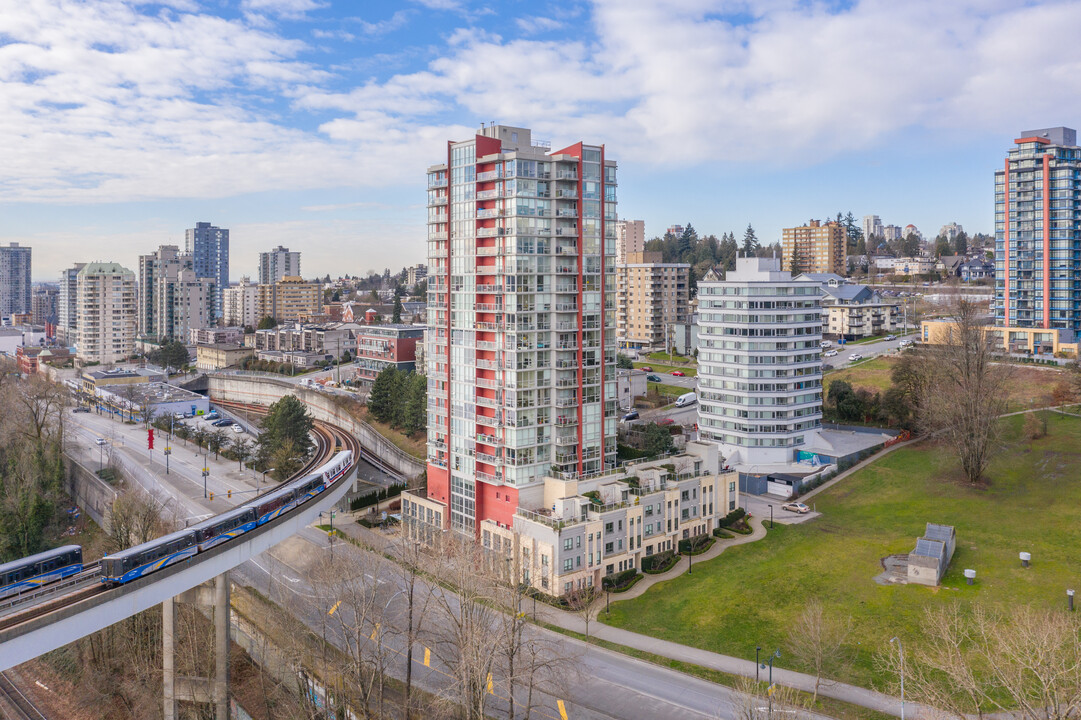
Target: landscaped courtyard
750, 594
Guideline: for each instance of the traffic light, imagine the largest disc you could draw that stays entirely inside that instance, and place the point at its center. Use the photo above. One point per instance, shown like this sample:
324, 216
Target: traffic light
150, 438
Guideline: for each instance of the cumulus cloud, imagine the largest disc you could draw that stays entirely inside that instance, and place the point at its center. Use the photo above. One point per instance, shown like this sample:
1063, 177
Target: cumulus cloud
113, 101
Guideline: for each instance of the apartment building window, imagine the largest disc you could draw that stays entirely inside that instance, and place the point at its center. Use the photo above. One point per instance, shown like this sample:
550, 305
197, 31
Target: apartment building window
731, 505
608, 548
578, 542
568, 564
608, 528
731, 487
544, 560
568, 544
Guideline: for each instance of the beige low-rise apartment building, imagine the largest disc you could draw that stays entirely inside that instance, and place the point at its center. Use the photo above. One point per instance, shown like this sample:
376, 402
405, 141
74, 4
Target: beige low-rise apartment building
651, 297
219, 356
289, 299
569, 533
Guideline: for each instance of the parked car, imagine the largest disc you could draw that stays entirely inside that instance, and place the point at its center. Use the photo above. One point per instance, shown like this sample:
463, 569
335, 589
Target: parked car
213, 414
796, 507
826, 344
646, 368
224, 422
81, 409
854, 357
179, 416
678, 373
829, 353
237, 429
666, 421
100, 441
891, 337
653, 378
905, 343
632, 415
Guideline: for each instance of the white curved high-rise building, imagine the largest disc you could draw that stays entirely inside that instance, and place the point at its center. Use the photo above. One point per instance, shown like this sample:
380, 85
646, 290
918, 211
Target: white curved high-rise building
759, 362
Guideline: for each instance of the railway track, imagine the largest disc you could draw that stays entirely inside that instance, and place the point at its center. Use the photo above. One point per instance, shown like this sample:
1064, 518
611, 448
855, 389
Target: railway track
21, 704
328, 440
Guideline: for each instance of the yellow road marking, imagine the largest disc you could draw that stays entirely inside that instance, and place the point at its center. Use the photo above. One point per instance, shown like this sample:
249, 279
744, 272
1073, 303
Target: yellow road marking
427, 657
562, 709
331, 612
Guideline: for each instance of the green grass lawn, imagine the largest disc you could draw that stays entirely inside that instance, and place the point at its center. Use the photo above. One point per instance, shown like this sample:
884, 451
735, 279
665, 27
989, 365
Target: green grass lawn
751, 593
689, 371
673, 390
664, 357
873, 374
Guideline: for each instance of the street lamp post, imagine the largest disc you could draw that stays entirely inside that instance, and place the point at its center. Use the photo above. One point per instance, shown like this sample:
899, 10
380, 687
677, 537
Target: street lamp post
330, 535
757, 649
901, 653
776, 654
206, 471
771, 517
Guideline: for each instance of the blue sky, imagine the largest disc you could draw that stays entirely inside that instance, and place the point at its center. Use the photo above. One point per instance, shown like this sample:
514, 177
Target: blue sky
310, 123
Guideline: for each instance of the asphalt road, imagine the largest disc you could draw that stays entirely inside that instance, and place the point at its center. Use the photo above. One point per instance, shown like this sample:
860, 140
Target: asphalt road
597, 685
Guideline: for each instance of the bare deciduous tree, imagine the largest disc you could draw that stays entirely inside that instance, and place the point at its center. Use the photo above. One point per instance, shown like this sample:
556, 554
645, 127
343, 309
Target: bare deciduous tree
965, 395
1026, 663
584, 603
817, 639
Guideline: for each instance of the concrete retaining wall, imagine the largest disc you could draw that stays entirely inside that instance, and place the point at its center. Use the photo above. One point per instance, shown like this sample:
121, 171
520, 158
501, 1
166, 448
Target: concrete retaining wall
91, 493
262, 390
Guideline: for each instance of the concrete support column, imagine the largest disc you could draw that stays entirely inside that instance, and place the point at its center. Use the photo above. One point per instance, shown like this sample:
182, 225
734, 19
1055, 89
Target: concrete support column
221, 647
168, 669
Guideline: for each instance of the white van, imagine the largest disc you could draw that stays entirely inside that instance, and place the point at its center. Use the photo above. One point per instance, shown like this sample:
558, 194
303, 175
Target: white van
687, 399
826, 344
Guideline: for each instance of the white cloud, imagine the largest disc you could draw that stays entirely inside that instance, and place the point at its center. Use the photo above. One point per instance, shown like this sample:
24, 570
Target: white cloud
537, 24
440, 4
290, 9
103, 102
395, 22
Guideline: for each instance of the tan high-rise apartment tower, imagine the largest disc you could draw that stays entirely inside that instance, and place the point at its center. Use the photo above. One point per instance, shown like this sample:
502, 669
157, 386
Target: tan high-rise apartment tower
815, 247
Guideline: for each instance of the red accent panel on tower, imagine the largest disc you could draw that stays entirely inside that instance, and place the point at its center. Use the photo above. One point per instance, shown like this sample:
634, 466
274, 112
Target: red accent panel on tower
498, 509
1046, 241
439, 483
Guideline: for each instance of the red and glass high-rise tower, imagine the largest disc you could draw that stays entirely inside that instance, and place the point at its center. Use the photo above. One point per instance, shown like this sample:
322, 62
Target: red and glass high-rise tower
521, 322
1037, 235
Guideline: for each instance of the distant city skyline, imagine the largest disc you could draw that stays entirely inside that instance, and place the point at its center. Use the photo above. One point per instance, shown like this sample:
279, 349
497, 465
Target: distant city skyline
299, 123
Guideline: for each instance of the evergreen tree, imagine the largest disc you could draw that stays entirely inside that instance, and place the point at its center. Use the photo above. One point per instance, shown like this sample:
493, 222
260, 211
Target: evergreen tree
750, 241
687, 242
397, 317
960, 243
267, 323
795, 264
287, 421
416, 405
382, 397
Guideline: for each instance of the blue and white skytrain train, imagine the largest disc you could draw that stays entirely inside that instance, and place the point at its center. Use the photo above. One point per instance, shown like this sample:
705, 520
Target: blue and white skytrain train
127, 565
32, 572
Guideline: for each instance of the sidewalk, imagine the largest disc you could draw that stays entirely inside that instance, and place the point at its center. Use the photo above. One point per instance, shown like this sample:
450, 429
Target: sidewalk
715, 661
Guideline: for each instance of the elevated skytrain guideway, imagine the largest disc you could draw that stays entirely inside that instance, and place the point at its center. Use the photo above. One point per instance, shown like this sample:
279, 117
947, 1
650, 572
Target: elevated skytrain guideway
83, 603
